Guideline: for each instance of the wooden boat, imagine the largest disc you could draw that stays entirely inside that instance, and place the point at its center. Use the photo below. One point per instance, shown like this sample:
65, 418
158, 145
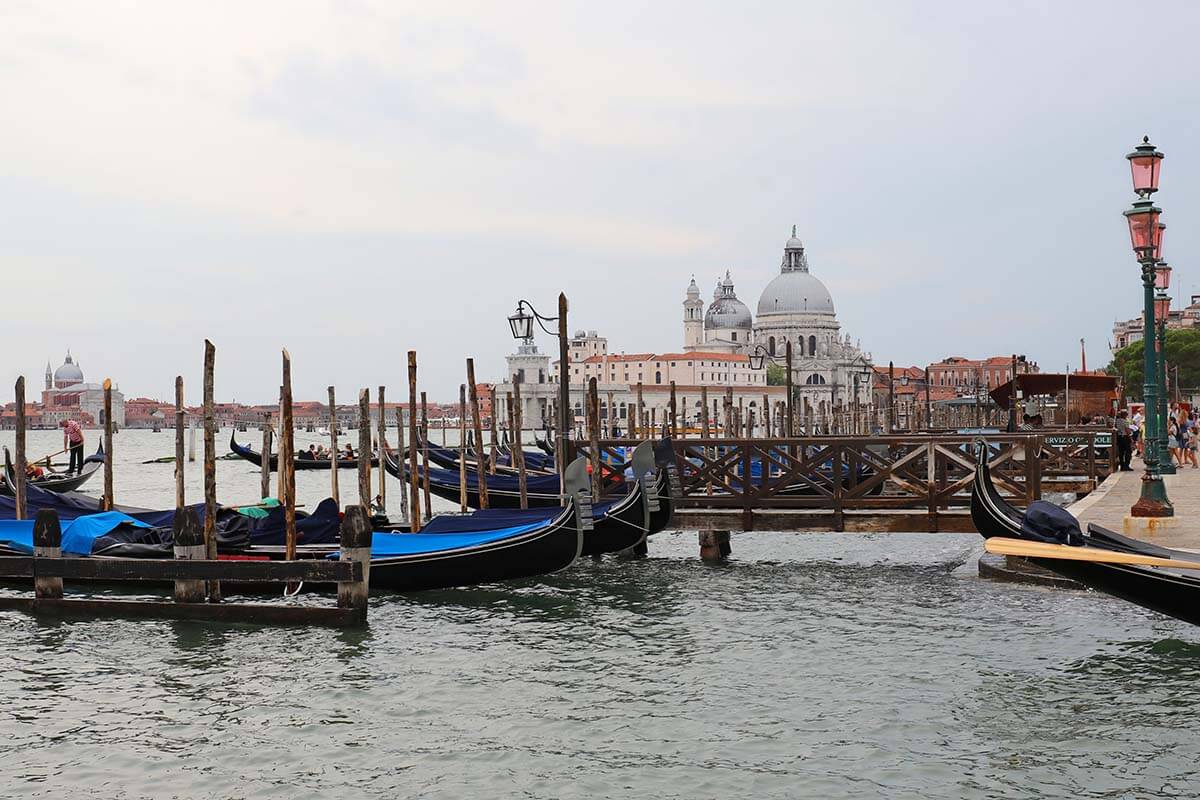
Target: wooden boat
1173, 592
447, 458
53, 482
254, 457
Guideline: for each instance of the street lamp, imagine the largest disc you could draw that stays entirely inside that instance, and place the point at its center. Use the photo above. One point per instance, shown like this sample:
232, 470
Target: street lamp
758, 359
1162, 313
521, 325
891, 415
1145, 236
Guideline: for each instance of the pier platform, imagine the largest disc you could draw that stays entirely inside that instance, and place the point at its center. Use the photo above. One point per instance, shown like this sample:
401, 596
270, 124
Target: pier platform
1108, 506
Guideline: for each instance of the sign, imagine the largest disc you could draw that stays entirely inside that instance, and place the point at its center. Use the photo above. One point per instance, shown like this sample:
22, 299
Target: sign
1078, 440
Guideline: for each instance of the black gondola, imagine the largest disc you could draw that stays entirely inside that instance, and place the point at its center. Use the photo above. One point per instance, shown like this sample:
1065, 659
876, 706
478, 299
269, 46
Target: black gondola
1175, 593
53, 482
254, 457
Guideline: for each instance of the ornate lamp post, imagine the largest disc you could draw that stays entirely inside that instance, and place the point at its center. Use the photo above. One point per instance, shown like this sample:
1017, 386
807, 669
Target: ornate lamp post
521, 325
891, 411
1146, 238
758, 359
907, 403
928, 405
1162, 312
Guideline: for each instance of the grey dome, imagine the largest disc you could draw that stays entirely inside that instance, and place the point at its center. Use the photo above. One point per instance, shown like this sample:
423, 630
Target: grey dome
727, 312
795, 293
68, 374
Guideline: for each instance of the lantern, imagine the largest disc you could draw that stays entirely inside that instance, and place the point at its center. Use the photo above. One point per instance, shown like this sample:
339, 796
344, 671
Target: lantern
1145, 162
756, 360
522, 324
1143, 227
1162, 276
1159, 229
1162, 307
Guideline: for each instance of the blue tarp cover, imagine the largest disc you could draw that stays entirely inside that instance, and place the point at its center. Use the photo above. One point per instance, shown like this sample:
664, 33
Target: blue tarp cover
77, 534
384, 545
489, 520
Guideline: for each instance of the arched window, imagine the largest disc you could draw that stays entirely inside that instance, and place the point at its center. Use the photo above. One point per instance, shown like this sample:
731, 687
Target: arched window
579, 409
812, 347
658, 377
815, 380
800, 346
771, 345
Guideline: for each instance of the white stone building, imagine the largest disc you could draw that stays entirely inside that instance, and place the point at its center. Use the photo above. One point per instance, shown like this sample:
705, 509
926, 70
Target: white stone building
66, 394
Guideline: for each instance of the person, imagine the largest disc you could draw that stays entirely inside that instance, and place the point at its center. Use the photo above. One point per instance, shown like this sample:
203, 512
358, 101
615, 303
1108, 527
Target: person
33, 472
1135, 432
73, 440
1026, 423
321, 454
1124, 441
312, 452
348, 453
304, 455
1173, 439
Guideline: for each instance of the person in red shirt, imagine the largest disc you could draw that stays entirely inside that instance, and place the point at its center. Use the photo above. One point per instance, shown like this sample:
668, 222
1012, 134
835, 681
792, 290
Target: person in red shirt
73, 439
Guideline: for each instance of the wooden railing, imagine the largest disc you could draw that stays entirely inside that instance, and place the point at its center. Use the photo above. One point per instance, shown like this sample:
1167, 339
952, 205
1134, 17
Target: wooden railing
918, 471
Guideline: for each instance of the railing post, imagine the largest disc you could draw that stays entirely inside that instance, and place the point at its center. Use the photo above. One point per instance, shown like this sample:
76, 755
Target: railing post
188, 537
47, 543
931, 483
1037, 468
356, 546
839, 479
747, 487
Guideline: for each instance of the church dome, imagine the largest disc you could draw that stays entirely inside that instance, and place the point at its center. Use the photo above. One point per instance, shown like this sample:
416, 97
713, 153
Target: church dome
795, 293
68, 374
726, 311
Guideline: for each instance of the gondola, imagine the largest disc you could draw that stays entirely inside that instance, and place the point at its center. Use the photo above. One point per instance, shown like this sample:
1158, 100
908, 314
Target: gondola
447, 458
53, 482
545, 445
1173, 592
254, 457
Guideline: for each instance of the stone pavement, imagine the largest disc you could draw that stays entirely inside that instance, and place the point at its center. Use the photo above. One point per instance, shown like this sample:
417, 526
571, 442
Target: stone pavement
1109, 505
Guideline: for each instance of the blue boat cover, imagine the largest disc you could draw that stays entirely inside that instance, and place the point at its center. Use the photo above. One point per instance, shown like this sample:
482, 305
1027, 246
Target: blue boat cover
489, 519
77, 535
535, 484
385, 545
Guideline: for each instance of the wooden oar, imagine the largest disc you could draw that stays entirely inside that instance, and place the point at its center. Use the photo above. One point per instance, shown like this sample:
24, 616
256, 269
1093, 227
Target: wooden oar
1018, 547
52, 455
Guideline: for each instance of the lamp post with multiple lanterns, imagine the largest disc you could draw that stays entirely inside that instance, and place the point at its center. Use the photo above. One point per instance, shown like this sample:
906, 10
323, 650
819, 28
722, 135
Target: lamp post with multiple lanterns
758, 359
1145, 233
521, 324
1162, 311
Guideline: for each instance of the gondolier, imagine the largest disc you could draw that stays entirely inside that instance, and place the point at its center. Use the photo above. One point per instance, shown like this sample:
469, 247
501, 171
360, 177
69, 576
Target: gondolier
73, 440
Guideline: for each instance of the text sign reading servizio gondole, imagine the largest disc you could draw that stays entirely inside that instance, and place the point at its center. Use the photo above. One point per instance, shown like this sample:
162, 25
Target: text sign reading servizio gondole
1074, 440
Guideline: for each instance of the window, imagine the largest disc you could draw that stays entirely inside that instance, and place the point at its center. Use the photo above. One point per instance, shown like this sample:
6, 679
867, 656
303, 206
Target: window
689, 363
812, 347
658, 377
815, 380
800, 342
771, 345
735, 336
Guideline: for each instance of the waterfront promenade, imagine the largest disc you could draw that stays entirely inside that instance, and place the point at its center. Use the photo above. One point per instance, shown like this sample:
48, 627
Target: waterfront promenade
1109, 505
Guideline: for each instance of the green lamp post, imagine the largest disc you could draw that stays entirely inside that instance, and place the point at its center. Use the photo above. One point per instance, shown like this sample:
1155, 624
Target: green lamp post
1145, 235
1162, 313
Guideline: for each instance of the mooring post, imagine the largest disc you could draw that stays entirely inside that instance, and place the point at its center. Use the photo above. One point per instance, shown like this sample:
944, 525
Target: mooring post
382, 434
287, 424
264, 478
610, 417
179, 488
641, 413
415, 485
108, 447
495, 442
425, 454
210, 466
356, 546
191, 440
364, 448
401, 456
188, 545
477, 426
462, 447
20, 447
518, 445
674, 413
593, 423
714, 546
47, 543
333, 451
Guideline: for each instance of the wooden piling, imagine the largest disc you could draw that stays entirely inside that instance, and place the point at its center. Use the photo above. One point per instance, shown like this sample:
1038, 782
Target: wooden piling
179, 416
333, 449
766, 417
356, 546
674, 409
593, 423
191, 440
729, 429
401, 457
265, 466
641, 413
188, 545
19, 391
475, 423
210, 466
714, 546
462, 447
382, 434
495, 438
364, 448
107, 503
414, 488
610, 417
287, 466
425, 454
518, 446
704, 427
789, 426
47, 543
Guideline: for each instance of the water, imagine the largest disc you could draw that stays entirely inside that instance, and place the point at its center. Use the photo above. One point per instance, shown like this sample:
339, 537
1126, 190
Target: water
813, 665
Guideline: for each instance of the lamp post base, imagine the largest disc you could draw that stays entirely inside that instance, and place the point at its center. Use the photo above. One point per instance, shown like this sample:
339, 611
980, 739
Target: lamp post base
1153, 502
1166, 469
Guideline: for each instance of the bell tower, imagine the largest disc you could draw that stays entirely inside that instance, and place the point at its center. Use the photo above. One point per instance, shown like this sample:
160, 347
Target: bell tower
49, 377
693, 318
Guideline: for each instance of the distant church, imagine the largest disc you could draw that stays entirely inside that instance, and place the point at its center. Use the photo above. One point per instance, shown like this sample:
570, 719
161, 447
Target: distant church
794, 307
67, 396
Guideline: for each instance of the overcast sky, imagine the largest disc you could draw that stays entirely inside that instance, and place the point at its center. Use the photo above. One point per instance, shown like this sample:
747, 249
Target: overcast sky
352, 180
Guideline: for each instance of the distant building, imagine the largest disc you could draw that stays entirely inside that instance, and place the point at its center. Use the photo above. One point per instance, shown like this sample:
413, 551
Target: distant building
1129, 331
67, 395
964, 374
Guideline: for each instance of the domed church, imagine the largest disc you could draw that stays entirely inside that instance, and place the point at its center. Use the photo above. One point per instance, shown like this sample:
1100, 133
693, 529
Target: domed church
827, 369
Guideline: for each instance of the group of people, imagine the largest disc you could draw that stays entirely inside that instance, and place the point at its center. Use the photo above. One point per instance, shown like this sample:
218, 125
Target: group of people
317, 452
1183, 437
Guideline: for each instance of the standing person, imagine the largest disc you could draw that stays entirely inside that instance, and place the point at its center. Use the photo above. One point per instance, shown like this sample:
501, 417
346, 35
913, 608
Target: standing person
1193, 440
1173, 439
1124, 441
1135, 428
73, 440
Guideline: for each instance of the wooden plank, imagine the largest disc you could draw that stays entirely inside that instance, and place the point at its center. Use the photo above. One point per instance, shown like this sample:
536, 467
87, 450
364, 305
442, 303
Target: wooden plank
316, 570
252, 613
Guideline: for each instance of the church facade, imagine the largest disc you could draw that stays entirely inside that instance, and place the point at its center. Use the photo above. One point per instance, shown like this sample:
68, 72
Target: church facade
68, 396
829, 372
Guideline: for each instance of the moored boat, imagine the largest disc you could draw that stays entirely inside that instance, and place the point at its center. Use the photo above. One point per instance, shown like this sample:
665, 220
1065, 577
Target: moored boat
254, 457
53, 481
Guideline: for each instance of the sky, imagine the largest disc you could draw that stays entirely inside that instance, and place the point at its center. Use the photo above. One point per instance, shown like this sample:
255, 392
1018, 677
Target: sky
354, 180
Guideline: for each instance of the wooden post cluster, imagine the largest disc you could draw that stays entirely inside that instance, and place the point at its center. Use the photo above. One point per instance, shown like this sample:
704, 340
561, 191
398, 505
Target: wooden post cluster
593, 420
265, 468
401, 457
